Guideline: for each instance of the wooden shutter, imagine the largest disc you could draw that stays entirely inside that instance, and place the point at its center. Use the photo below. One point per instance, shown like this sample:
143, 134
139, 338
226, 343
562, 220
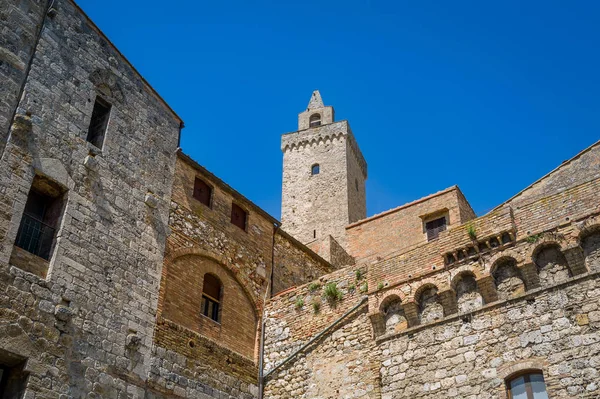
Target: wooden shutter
202, 191
238, 216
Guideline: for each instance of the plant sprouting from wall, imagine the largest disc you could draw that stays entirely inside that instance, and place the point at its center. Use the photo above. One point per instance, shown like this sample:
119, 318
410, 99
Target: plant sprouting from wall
532, 239
472, 232
312, 287
332, 292
364, 288
316, 307
359, 275
299, 303
380, 286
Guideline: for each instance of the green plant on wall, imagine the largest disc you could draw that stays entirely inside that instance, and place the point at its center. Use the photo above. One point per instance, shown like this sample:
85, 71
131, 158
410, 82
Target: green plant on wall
472, 232
532, 239
380, 286
299, 302
316, 307
312, 287
364, 287
358, 275
351, 288
332, 292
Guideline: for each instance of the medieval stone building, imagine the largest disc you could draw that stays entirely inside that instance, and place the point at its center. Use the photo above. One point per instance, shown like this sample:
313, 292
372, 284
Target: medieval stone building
128, 270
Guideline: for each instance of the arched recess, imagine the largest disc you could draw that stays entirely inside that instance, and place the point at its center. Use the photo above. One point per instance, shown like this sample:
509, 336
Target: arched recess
468, 297
551, 264
429, 303
508, 279
393, 314
590, 243
235, 327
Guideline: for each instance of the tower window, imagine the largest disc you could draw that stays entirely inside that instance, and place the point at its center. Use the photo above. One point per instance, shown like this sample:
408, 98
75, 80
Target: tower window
40, 219
435, 227
527, 386
99, 122
238, 216
202, 191
315, 169
211, 297
315, 120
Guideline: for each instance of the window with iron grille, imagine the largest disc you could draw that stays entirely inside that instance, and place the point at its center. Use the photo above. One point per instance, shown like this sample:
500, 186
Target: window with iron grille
37, 230
530, 385
238, 216
435, 227
211, 297
315, 120
202, 191
99, 122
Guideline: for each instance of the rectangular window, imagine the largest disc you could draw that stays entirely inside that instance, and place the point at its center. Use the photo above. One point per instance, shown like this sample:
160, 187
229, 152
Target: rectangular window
202, 191
13, 377
435, 227
40, 219
99, 122
210, 308
238, 216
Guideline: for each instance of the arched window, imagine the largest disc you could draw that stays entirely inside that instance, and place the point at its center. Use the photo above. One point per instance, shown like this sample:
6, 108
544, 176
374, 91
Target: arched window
315, 120
211, 297
530, 385
315, 169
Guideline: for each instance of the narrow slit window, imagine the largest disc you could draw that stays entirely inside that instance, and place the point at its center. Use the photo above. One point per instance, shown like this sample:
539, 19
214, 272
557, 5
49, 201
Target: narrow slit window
202, 191
238, 216
211, 297
315, 120
99, 122
435, 227
315, 169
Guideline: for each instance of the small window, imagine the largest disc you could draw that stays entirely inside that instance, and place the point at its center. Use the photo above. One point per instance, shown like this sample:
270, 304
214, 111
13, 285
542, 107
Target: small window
435, 227
527, 386
202, 191
315, 169
315, 120
238, 216
40, 219
99, 122
211, 297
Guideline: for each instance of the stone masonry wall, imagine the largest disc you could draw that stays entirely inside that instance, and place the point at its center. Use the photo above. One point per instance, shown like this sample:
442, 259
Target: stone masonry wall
20, 24
86, 329
314, 206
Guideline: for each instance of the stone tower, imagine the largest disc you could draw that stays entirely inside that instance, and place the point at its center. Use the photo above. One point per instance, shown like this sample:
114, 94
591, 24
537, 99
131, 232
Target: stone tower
324, 176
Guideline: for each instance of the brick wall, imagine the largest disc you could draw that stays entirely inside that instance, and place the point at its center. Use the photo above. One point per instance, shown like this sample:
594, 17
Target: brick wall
402, 228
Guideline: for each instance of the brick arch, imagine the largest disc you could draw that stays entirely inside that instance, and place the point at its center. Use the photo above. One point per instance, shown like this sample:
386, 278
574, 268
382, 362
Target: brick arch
559, 268
589, 241
500, 257
468, 296
389, 297
543, 242
182, 301
462, 270
431, 308
221, 260
507, 277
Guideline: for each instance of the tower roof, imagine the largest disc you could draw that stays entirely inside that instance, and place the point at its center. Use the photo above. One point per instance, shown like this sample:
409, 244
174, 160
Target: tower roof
315, 101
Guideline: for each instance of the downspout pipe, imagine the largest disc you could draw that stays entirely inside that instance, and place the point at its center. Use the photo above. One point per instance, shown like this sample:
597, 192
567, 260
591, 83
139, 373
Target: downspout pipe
315, 338
269, 290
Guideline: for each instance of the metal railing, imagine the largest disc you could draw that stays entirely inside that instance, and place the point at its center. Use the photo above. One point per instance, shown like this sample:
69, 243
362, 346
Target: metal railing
35, 236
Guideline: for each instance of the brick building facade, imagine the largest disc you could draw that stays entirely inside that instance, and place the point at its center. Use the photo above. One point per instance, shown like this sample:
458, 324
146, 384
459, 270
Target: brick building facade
128, 270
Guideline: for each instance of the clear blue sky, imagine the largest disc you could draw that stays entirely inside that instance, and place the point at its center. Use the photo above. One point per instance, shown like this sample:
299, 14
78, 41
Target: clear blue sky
486, 95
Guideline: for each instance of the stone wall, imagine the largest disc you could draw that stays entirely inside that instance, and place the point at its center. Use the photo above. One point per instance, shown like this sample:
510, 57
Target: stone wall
314, 206
295, 264
86, 328
20, 24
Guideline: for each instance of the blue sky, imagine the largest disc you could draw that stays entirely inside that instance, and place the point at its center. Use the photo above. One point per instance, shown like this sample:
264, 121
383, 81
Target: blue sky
486, 95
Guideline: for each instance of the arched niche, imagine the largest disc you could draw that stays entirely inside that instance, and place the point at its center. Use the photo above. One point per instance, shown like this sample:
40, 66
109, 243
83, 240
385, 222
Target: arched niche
551, 264
507, 278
